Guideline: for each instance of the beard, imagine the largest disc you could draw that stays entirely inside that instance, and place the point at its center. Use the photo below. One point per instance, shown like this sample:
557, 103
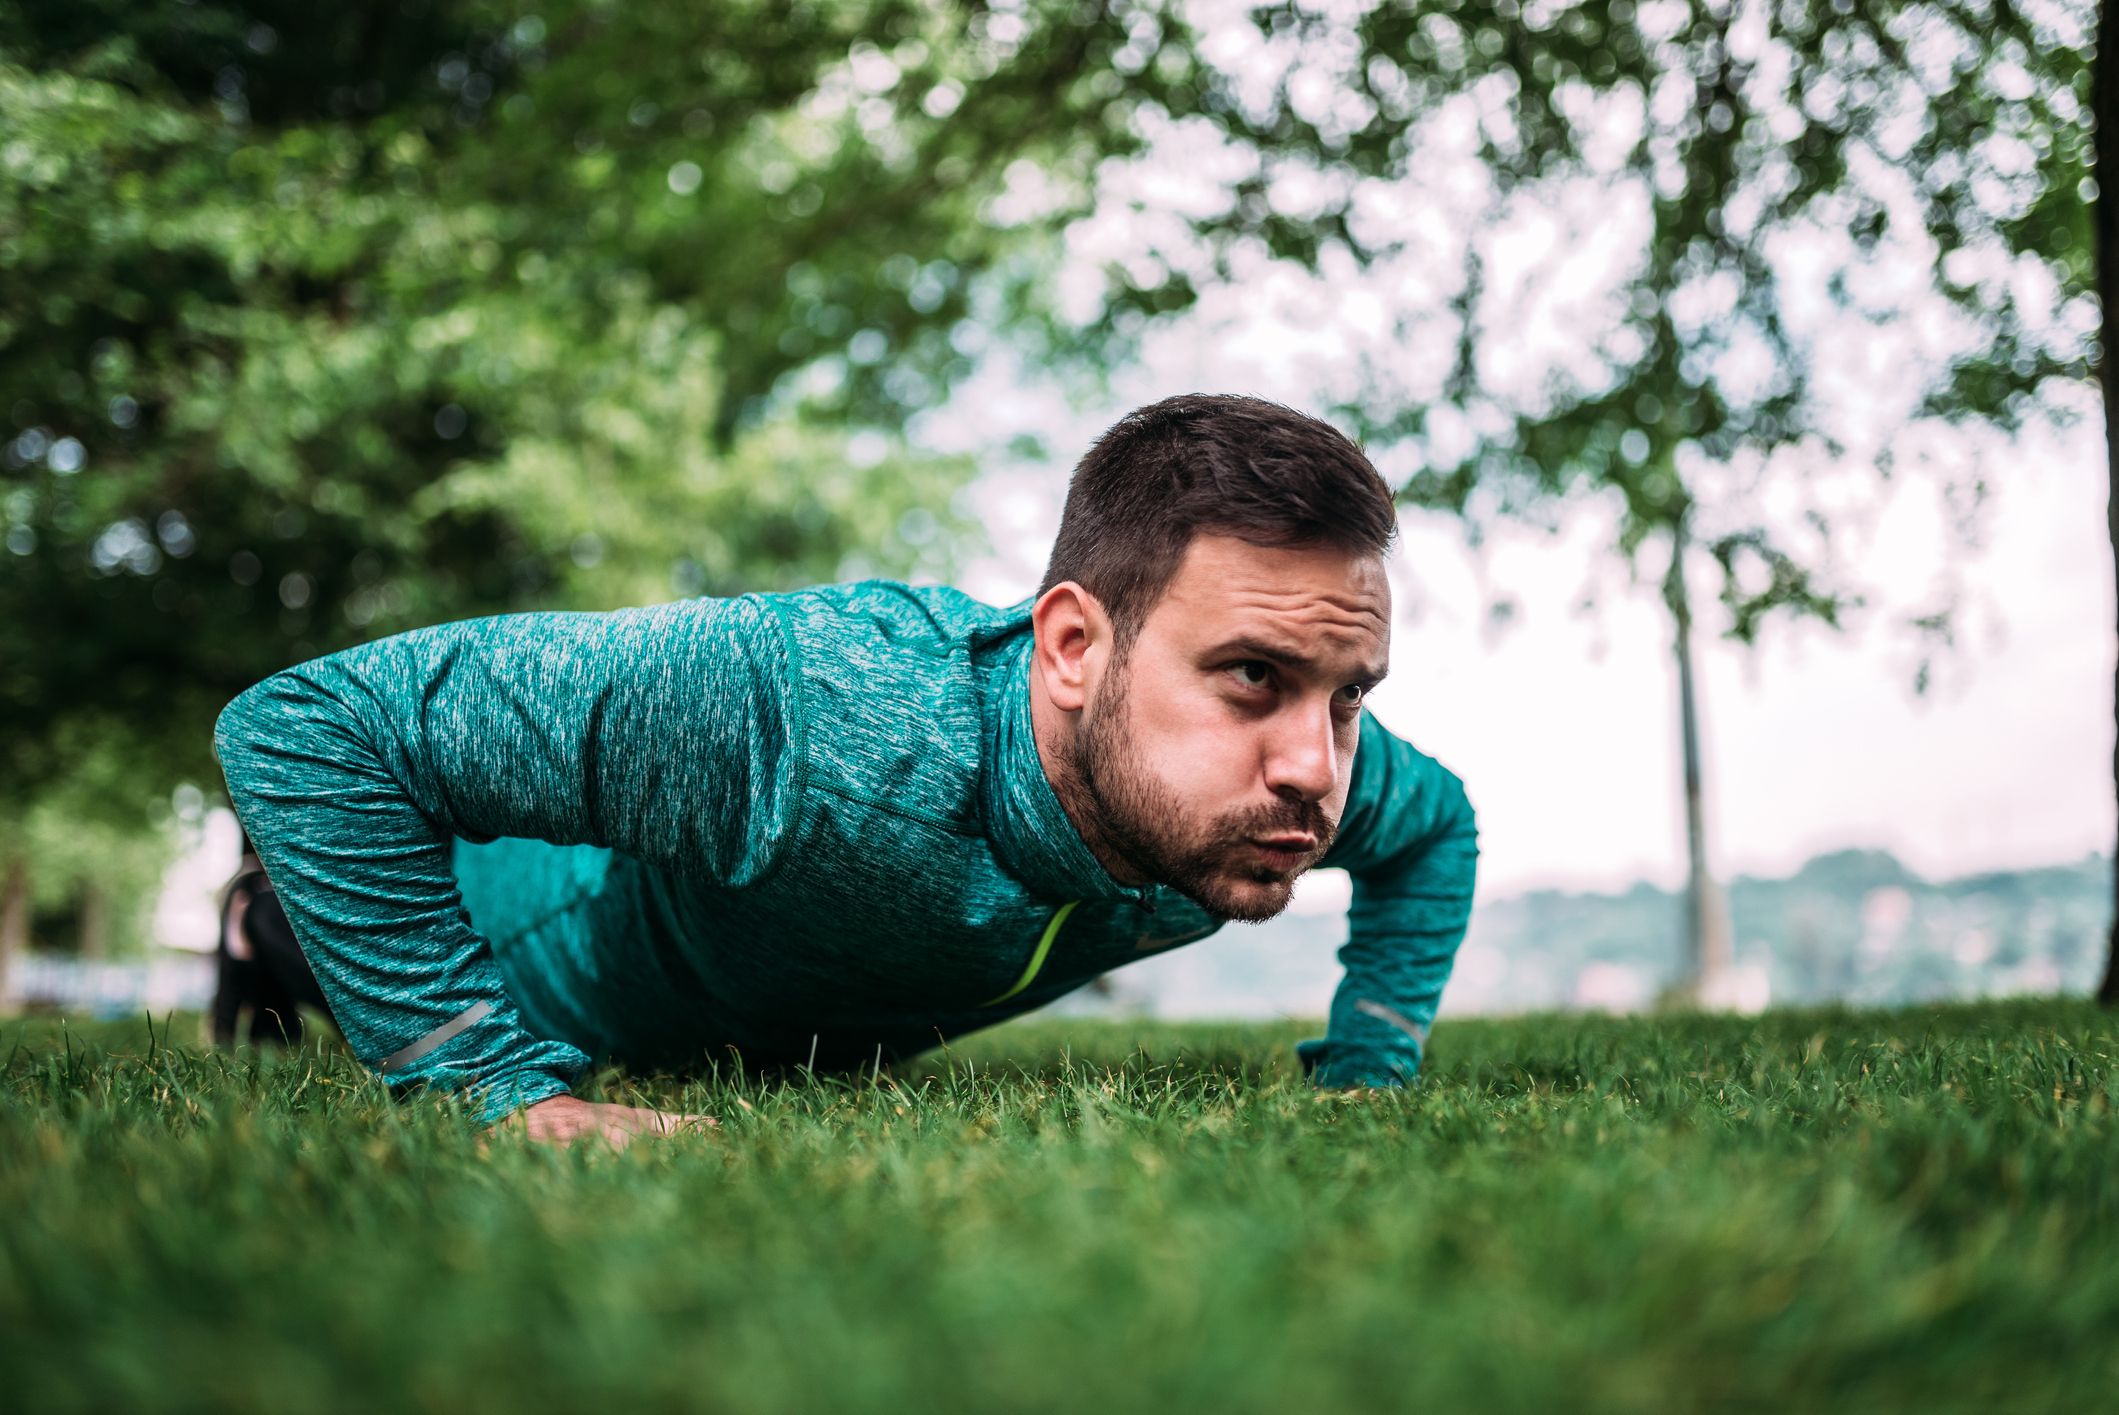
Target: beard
1127, 813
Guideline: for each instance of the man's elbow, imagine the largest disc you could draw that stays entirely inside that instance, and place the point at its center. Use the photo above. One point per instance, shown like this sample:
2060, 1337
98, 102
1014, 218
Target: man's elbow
1459, 819
231, 727
262, 722
1452, 852
239, 726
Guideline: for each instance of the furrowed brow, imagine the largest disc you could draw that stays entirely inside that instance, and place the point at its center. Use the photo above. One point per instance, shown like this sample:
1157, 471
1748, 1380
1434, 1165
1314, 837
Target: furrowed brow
1254, 648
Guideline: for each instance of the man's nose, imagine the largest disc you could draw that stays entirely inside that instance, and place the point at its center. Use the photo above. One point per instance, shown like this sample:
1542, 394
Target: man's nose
1302, 757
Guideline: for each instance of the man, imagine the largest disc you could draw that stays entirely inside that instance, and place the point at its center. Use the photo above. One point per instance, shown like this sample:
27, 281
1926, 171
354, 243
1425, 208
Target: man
259, 965
836, 826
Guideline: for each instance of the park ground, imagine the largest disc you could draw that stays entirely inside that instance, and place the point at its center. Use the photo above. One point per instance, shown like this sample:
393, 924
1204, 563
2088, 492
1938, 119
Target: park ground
1805, 1211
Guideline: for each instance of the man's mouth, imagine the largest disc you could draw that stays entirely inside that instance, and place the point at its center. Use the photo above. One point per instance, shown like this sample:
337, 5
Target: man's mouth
1284, 852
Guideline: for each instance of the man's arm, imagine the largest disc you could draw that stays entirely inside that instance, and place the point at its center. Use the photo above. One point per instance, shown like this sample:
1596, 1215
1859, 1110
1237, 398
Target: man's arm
1409, 840
661, 732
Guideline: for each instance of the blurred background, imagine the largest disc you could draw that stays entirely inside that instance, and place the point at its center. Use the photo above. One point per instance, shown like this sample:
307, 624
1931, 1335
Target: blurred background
1736, 363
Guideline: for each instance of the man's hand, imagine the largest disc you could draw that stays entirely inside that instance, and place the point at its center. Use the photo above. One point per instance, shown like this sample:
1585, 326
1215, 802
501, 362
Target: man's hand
561, 1120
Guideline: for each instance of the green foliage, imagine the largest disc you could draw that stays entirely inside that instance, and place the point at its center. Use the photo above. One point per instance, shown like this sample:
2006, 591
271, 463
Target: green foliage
1949, 142
319, 325
84, 834
1821, 1210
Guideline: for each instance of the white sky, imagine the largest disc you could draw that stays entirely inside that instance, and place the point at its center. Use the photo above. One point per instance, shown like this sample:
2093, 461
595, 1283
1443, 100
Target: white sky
1564, 727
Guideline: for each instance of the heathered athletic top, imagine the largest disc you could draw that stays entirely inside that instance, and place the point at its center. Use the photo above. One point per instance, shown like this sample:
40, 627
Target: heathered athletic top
794, 828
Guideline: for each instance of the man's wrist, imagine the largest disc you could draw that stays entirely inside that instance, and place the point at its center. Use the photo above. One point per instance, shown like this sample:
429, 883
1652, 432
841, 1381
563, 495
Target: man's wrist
1336, 1066
498, 1099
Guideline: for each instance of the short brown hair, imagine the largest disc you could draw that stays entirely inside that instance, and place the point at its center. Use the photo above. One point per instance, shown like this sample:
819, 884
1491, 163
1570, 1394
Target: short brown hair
1209, 463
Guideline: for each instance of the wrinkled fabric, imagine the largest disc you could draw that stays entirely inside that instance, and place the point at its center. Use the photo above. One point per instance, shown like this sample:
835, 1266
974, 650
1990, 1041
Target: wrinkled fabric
802, 828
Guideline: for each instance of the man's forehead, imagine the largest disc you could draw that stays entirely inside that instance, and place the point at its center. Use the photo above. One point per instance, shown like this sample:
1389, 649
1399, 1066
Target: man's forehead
1299, 603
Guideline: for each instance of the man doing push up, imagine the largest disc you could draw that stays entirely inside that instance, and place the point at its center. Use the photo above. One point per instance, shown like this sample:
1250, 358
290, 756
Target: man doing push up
842, 824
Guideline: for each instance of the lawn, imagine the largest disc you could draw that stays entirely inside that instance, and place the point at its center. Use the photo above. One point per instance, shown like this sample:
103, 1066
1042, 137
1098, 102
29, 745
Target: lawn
1805, 1211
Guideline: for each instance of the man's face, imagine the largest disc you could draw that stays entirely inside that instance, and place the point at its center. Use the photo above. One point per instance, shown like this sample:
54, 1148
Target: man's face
1215, 758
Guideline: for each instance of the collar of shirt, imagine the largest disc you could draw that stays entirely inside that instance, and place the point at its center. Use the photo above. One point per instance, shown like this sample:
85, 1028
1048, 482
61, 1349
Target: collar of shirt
1031, 833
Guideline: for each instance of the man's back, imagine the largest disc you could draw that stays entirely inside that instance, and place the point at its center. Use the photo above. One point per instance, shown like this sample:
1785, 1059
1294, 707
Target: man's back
919, 863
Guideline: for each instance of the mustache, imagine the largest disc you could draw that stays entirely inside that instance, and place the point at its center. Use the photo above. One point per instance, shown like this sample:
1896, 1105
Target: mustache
1290, 818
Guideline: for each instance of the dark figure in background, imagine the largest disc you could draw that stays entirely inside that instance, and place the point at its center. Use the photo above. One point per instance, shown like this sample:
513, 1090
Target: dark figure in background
261, 965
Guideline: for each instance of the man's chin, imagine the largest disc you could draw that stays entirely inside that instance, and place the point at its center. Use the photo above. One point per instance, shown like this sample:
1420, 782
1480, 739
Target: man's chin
1243, 898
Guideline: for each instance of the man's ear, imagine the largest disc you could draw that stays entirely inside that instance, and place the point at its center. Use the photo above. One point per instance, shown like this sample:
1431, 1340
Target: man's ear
1072, 634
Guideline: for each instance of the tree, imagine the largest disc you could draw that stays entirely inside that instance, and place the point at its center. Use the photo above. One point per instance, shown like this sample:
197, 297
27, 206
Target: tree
321, 324
2107, 93
317, 324
1948, 137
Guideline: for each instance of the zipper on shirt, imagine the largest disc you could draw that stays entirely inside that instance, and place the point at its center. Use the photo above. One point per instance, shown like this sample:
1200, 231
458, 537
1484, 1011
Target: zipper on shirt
1037, 959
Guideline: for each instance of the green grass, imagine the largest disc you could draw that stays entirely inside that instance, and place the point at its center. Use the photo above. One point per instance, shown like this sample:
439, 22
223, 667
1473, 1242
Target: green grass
1819, 1210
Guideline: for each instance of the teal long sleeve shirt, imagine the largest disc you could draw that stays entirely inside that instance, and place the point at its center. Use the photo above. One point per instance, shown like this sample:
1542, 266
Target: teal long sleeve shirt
793, 828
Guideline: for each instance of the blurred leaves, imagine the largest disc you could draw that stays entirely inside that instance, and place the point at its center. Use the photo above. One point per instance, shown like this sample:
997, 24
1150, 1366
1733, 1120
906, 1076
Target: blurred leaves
1935, 157
320, 325
316, 325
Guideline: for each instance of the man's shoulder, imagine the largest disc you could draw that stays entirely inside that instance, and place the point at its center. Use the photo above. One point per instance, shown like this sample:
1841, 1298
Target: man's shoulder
881, 638
888, 681
889, 620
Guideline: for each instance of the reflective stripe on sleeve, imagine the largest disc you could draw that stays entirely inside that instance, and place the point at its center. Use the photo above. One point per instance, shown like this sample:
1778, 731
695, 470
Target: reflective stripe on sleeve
405, 1056
1393, 1016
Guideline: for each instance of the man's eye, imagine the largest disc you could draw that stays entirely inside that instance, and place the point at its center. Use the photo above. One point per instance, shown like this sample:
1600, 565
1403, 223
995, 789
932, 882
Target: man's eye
1352, 695
1244, 671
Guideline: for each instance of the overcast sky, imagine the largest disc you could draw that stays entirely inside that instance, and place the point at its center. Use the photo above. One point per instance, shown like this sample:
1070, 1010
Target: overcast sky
1564, 725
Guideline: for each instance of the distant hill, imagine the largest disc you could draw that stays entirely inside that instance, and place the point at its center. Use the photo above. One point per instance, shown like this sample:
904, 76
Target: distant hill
1856, 925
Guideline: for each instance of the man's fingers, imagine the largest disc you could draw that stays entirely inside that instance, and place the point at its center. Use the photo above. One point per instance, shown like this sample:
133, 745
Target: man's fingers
671, 1124
646, 1120
563, 1120
638, 1118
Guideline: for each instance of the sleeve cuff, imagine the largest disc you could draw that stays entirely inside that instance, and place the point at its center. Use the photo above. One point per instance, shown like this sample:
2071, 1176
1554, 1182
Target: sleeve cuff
500, 1098
1330, 1066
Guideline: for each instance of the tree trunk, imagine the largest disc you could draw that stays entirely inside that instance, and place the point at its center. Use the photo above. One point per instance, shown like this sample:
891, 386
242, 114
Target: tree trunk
1707, 912
2105, 96
14, 927
95, 922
